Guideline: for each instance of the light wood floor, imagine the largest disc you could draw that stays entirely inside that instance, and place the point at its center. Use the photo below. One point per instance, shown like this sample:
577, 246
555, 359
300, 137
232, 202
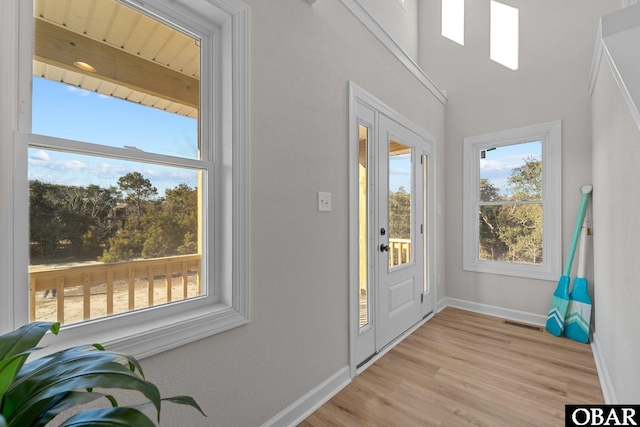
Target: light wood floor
467, 369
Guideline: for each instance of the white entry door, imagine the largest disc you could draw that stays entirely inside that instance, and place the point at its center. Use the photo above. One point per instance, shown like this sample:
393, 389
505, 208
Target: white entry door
393, 222
399, 216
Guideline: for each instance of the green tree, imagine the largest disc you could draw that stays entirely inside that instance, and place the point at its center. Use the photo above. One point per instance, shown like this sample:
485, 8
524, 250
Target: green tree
69, 221
138, 191
137, 195
526, 180
172, 228
491, 244
513, 231
44, 231
399, 214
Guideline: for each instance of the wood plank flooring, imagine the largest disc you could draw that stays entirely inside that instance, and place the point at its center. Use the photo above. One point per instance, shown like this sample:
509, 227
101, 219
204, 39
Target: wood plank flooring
467, 369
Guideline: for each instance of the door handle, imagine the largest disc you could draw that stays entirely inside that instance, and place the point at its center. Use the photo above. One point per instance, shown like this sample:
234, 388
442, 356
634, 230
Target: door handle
384, 248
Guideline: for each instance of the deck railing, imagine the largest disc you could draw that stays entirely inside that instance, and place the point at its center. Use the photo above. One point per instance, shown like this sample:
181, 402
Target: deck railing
155, 281
399, 251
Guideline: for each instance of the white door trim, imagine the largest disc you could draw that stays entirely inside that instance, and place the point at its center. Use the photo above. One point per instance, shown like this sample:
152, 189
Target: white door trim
358, 95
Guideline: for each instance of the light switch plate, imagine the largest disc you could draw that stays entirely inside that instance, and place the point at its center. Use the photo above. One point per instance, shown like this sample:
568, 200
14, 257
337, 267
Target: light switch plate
324, 201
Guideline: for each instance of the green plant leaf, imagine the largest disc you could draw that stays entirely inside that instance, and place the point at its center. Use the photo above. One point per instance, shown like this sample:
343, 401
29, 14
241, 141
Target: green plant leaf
185, 400
48, 368
98, 375
180, 400
65, 361
8, 370
62, 402
25, 338
109, 417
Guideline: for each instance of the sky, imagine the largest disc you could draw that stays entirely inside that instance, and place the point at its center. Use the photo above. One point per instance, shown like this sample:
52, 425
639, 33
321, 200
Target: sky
400, 172
499, 163
65, 111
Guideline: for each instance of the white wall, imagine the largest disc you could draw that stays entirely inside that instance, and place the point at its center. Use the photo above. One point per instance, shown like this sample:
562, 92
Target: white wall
616, 176
398, 20
302, 58
556, 47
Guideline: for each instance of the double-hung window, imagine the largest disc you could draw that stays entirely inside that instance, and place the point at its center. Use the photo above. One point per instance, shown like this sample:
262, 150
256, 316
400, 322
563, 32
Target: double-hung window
512, 202
129, 169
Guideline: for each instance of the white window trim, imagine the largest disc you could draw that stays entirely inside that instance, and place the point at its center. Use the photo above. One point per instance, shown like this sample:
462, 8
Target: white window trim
156, 329
550, 134
402, 3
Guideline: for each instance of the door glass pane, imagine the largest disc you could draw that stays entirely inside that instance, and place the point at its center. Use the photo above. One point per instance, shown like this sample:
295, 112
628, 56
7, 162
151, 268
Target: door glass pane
363, 186
425, 221
400, 203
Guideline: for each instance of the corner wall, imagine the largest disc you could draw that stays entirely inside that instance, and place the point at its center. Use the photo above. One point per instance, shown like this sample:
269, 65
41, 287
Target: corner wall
556, 47
616, 208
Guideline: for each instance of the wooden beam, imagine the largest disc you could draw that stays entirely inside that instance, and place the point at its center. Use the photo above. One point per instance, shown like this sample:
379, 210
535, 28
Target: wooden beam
60, 47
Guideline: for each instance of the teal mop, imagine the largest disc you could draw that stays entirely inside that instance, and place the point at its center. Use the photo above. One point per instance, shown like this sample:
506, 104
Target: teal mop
560, 300
576, 325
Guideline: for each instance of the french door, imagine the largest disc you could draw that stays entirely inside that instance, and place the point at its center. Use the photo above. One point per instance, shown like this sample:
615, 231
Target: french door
393, 223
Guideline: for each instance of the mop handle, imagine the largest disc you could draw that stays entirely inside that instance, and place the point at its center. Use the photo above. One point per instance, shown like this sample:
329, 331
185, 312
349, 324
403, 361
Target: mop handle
586, 191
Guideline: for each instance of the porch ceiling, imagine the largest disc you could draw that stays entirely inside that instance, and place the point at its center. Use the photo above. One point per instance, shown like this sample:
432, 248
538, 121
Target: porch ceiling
136, 57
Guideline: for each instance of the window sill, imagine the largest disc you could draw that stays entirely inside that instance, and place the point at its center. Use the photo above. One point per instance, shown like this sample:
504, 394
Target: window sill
149, 337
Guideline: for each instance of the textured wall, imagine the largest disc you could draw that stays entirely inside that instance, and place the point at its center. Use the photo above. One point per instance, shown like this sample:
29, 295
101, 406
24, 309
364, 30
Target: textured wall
400, 22
302, 57
616, 155
556, 47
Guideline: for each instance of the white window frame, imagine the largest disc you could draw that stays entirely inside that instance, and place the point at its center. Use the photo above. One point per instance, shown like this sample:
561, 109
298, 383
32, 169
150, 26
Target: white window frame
550, 134
224, 26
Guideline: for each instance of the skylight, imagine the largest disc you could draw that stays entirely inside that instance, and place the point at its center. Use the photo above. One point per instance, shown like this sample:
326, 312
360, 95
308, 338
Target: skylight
453, 20
504, 39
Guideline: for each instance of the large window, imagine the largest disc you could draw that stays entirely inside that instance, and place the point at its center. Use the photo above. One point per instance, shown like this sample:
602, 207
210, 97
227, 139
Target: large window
126, 169
512, 202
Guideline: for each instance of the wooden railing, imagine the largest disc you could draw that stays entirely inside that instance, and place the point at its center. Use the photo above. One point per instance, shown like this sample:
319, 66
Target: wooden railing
399, 251
83, 287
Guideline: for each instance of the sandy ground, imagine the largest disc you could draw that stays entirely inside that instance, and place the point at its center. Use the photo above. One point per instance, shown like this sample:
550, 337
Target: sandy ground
74, 299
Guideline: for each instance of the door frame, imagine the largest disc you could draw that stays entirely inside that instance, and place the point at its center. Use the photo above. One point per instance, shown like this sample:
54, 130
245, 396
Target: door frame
359, 96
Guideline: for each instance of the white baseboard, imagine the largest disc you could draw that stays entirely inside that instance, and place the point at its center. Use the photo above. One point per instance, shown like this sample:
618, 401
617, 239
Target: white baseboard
307, 404
603, 374
491, 310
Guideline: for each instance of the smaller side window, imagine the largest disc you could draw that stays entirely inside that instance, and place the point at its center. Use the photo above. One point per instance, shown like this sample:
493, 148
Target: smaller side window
512, 202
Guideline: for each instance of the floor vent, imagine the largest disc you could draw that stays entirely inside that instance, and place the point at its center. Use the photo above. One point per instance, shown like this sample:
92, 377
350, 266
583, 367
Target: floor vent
523, 325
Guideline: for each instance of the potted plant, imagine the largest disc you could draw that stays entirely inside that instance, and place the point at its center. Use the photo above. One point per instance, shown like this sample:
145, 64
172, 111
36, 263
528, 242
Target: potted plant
33, 393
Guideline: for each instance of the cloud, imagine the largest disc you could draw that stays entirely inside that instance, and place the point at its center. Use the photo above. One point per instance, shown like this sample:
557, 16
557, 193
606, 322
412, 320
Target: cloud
78, 90
40, 155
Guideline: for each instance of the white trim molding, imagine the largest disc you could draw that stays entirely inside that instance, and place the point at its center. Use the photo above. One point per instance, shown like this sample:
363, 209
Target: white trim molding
395, 49
603, 374
617, 39
550, 136
295, 413
492, 310
152, 330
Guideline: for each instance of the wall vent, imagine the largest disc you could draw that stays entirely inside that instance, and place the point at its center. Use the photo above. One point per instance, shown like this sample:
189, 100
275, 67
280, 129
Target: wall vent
523, 325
